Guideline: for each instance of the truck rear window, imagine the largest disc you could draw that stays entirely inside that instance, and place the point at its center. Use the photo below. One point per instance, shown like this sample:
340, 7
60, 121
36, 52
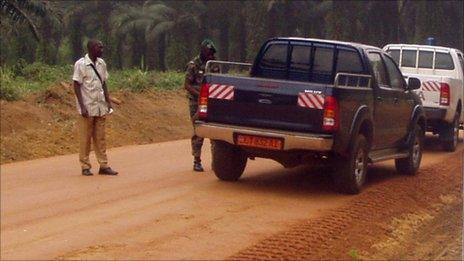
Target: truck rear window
312, 62
275, 57
425, 59
349, 61
409, 58
443, 61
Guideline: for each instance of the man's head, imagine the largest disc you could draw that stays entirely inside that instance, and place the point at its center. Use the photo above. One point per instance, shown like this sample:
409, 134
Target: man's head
207, 50
95, 48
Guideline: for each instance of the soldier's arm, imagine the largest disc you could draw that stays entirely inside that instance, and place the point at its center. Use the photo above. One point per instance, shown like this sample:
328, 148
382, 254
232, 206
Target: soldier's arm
189, 78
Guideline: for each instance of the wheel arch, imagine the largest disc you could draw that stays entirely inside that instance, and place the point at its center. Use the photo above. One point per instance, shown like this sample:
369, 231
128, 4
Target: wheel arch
362, 124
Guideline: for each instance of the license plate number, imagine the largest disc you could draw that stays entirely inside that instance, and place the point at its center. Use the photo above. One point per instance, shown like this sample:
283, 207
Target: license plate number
259, 142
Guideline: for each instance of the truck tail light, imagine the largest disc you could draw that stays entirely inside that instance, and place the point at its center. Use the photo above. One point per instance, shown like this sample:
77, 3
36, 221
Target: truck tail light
445, 96
203, 101
331, 120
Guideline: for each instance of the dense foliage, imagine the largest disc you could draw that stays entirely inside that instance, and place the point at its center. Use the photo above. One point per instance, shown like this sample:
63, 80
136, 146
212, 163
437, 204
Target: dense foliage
165, 34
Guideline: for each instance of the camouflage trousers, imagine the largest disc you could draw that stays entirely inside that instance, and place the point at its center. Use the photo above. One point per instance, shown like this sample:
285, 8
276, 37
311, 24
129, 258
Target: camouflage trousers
197, 142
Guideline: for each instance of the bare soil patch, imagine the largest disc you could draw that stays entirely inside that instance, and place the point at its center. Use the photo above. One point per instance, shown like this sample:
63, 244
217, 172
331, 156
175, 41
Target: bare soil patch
413, 218
44, 124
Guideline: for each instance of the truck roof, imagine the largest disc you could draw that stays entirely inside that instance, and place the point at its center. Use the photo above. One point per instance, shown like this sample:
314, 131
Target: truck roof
421, 46
357, 45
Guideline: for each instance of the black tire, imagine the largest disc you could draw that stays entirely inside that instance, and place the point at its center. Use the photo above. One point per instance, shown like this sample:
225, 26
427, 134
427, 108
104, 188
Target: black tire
228, 161
410, 165
351, 171
450, 136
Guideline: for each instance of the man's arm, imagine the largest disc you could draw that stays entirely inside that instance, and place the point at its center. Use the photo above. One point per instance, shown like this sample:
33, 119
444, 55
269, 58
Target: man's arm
107, 96
189, 77
77, 91
190, 89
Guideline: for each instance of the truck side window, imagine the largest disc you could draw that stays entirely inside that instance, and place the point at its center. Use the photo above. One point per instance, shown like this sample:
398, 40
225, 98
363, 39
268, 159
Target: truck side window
443, 61
378, 68
425, 59
323, 65
395, 54
394, 74
409, 58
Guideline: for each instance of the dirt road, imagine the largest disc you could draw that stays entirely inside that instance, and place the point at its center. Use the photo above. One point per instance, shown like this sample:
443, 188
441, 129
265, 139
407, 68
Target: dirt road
157, 208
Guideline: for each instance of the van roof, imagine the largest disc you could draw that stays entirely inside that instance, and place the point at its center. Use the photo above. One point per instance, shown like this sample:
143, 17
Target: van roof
419, 46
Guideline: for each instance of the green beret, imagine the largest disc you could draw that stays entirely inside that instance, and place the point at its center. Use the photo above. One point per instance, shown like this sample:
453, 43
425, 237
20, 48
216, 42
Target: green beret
208, 43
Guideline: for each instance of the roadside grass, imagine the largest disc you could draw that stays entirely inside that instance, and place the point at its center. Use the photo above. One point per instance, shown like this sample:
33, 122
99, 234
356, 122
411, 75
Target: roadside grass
23, 79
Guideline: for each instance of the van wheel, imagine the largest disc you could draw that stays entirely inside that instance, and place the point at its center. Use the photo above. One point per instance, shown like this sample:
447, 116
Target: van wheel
351, 171
450, 136
410, 165
228, 161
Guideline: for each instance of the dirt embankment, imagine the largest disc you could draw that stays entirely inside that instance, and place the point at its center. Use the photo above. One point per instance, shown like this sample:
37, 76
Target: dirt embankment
44, 124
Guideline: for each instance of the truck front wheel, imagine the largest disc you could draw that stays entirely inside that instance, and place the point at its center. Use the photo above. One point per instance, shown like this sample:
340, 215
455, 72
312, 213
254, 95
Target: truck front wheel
410, 165
351, 171
228, 161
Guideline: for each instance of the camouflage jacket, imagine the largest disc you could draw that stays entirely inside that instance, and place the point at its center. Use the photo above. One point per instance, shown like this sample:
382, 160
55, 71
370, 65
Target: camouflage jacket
194, 74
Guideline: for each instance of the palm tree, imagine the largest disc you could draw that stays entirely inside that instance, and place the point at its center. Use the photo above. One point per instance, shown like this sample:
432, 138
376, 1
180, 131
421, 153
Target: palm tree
23, 11
157, 21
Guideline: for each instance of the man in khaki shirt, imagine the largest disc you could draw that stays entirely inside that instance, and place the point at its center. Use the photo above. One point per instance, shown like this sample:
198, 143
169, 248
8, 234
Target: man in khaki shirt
93, 103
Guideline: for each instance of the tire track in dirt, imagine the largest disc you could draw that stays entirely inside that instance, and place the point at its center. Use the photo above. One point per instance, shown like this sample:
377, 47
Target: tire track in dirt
353, 230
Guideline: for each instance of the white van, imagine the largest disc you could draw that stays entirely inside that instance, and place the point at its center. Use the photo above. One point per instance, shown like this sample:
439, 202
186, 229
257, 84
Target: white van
440, 70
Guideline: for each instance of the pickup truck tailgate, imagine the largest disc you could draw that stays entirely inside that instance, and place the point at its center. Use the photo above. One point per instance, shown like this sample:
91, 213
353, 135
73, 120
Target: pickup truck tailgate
258, 102
430, 89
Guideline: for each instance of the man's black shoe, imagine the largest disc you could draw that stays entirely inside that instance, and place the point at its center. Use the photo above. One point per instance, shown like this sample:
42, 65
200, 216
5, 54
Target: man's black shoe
107, 171
197, 167
87, 172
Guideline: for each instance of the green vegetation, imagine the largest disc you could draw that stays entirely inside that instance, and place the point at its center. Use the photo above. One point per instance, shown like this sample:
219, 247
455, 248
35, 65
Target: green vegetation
164, 34
354, 254
23, 79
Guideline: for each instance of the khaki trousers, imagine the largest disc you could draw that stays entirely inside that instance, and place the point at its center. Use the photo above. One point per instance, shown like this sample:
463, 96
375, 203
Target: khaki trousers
92, 128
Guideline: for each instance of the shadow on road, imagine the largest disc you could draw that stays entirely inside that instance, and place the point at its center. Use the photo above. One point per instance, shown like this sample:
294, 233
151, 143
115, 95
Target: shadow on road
303, 181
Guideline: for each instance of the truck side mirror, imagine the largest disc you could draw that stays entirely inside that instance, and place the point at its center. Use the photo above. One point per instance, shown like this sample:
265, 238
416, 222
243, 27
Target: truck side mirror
413, 83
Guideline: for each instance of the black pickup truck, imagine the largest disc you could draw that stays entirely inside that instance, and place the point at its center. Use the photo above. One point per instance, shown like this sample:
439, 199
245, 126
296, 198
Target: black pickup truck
304, 100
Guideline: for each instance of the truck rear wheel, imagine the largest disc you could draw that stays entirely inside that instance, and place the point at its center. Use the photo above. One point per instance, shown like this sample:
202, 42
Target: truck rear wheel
410, 165
350, 175
450, 136
228, 161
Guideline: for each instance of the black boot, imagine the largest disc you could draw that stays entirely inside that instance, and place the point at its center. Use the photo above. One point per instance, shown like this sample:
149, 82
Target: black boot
197, 165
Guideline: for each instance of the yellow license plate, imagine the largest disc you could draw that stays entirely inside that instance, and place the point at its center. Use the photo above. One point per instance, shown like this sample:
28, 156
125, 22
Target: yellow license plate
259, 142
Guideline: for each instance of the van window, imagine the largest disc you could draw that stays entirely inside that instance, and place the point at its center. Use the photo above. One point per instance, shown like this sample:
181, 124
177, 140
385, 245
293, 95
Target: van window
409, 58
443, 61
395, 54
425, 59
349, 61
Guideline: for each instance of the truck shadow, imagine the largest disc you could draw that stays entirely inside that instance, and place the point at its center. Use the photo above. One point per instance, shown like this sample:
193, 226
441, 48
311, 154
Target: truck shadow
305, 181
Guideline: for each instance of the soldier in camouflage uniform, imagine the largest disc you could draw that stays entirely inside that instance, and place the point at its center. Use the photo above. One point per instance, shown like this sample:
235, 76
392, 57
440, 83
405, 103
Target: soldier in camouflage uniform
193, 80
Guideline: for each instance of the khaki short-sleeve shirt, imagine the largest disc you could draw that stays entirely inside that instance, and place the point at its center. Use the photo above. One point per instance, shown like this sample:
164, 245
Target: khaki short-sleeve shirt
93, 96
